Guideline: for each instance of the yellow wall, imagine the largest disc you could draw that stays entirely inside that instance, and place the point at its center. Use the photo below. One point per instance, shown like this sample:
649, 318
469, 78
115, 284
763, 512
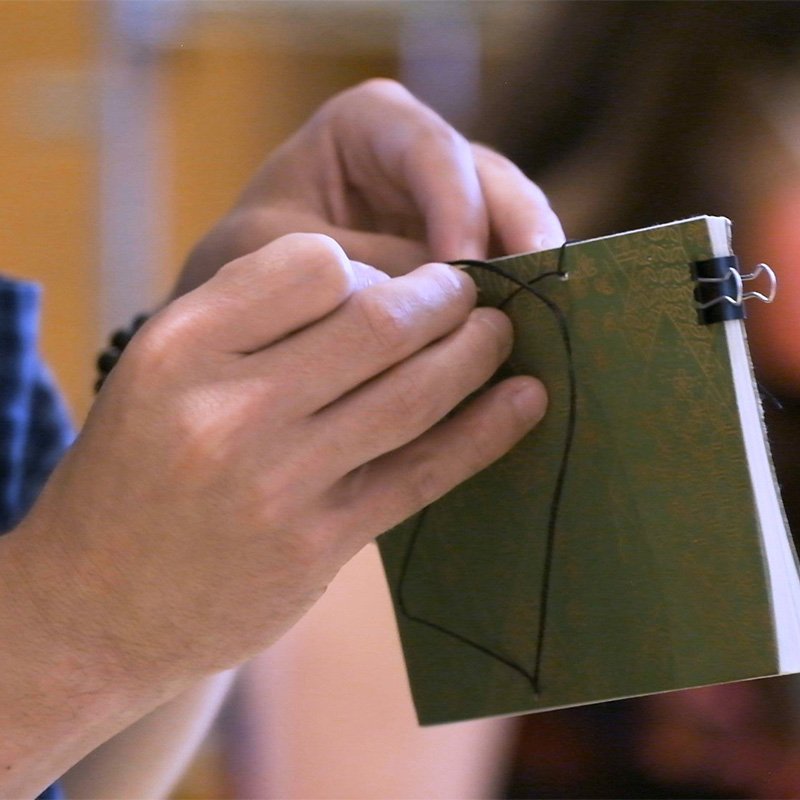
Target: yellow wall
47, 174
230, 100
235, 79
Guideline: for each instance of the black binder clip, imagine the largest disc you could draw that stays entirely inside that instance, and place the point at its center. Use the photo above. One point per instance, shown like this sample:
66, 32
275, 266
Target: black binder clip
720, 290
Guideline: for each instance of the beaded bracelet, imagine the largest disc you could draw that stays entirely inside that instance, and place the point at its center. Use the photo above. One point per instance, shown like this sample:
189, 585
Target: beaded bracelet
119, 340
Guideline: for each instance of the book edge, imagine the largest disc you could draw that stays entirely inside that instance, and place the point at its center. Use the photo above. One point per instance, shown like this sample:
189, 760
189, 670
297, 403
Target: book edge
780, 557
571, 243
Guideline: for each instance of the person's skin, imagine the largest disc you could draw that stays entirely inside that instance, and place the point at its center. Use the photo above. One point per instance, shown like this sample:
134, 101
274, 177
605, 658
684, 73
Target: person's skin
262, 428
154, 748
392, 183
147, 759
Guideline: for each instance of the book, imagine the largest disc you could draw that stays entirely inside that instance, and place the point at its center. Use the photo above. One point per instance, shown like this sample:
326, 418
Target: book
635, 541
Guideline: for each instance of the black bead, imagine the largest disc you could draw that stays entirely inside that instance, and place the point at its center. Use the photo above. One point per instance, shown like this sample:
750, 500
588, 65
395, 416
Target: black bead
121, 338
107, 360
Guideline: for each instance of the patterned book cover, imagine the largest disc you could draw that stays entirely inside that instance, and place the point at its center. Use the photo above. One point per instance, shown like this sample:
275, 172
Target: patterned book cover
616, 551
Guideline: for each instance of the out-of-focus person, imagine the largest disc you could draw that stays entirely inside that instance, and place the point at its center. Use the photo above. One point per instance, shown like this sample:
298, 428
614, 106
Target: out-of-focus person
630, 115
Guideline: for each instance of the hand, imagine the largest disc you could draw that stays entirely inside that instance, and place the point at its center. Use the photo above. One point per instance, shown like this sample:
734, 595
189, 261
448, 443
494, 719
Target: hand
389, 180
255, 434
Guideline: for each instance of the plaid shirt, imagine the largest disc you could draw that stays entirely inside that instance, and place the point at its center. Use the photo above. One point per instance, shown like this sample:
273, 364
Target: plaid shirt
35, 429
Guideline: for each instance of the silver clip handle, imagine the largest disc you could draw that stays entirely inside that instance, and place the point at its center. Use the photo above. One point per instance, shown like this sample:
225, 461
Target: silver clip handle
736, 301
773, 283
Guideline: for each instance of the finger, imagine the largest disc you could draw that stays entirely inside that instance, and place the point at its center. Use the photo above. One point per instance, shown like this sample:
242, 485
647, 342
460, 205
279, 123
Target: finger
386, 135
390, 489
445, 184
375, 329
402, 403
519, 214
266, 295
395, 255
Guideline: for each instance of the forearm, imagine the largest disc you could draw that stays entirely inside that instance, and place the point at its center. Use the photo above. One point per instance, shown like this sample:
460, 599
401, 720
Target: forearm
147, 759
61, 694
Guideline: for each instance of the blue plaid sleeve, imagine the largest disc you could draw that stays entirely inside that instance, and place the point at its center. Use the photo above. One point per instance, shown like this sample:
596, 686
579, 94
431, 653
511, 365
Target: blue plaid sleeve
35, 429
54, 792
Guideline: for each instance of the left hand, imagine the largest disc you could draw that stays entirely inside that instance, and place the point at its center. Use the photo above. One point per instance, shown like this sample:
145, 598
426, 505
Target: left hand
392, 182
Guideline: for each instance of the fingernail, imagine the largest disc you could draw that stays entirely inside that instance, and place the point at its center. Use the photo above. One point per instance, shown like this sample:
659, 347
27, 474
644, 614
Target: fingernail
366, 275
530, 400
456, 275
549, 242
456, 246
462, 277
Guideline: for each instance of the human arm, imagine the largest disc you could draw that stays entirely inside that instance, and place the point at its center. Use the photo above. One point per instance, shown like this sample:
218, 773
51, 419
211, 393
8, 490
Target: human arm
215, 490
391, 182
396, 186
148, 758
357, 736
88, 698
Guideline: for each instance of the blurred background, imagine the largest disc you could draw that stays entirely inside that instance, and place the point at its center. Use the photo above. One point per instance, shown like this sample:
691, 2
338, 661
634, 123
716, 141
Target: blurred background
129, 127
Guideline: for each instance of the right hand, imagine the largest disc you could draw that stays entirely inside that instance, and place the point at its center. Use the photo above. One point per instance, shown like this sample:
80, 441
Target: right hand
392, 182
256, 434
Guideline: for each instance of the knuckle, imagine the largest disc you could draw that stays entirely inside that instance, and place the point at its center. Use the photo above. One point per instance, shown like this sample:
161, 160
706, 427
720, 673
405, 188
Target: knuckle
159, 345
423, 482
314, 247
476, 454
202, 433
411, 401
428, 476
382, 91
214, 418
386, 318
321, 263
382, 88
313, 260
438, 136
430, 128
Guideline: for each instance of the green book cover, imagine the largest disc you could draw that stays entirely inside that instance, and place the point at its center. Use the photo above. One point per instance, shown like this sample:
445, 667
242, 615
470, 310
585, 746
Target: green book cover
634, 542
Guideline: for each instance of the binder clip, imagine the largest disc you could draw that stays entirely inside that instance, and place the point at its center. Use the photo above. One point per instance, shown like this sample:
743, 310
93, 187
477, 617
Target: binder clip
720, 292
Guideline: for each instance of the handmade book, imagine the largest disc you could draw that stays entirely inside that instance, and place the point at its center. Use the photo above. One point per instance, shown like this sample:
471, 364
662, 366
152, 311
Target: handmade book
634, 542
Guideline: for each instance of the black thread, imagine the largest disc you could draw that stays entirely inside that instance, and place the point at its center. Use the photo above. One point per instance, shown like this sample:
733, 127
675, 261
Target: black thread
534, 676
